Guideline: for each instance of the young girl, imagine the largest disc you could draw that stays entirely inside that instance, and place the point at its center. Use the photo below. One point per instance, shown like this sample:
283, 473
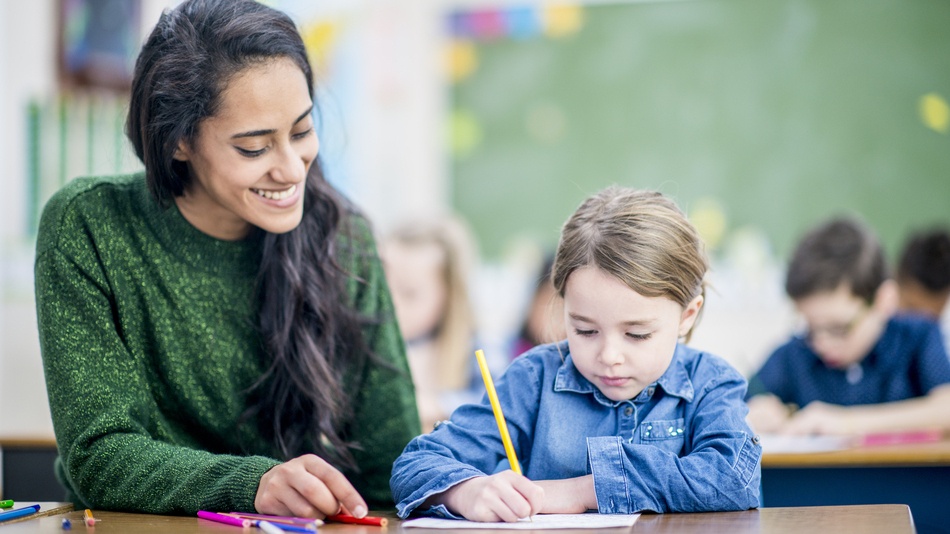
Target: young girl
620, 417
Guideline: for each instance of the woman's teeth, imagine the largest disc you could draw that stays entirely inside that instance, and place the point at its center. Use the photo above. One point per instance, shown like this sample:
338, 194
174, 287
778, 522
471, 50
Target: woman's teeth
276, 195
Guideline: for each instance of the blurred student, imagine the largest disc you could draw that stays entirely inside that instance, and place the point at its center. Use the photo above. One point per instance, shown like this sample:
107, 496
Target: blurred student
858, 369
543, 322
427, 265
923, 273
620, 417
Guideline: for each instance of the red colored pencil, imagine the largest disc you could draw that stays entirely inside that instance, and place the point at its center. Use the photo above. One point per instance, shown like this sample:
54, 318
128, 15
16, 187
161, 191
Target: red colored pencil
368, 520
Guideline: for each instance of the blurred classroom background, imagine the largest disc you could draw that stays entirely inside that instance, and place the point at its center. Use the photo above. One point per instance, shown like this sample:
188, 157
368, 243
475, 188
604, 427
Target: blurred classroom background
759, 118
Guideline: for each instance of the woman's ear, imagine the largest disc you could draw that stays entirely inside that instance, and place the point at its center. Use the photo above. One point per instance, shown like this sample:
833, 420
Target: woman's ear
689, 315
887, 298
182, 153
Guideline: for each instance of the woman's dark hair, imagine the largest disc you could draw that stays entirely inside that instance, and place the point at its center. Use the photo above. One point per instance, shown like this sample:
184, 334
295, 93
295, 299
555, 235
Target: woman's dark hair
312, 339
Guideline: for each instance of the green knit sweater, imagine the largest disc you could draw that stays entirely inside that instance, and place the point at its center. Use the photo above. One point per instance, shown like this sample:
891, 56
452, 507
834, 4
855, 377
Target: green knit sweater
148, 340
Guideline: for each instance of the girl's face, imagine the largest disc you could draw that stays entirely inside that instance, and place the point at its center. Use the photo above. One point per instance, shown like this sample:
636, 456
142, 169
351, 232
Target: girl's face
249, 162
416, 276
620, 340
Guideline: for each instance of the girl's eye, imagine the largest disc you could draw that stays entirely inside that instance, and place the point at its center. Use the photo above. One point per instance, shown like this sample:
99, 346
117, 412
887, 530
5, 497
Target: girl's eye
640, 337
303, 134
250, 153
584, 333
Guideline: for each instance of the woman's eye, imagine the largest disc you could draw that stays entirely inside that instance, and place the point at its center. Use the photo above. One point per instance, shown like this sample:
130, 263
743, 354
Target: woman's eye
639, 337
250, 153
305, 133
584, 332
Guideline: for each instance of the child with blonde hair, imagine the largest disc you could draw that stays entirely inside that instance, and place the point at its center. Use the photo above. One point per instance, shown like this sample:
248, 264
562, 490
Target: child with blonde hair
620, 417
427, 263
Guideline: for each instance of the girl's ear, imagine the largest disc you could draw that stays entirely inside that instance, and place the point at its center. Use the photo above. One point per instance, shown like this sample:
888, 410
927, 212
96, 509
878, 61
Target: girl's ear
689, 315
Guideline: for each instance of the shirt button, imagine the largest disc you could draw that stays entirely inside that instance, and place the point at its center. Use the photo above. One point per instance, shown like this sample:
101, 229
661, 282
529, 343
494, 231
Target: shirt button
628, 410
756, 439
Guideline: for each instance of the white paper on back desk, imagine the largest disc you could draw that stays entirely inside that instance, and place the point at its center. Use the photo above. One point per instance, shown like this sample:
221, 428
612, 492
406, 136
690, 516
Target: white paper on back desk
544, 521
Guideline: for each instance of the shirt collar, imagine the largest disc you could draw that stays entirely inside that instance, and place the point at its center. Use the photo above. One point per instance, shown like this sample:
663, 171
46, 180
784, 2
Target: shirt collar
675, 381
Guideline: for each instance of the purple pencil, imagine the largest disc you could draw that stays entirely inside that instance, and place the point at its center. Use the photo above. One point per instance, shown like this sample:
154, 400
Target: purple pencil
226, 519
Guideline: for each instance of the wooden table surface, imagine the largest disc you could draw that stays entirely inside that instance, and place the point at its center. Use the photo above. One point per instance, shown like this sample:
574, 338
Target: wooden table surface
872, 519
909, 455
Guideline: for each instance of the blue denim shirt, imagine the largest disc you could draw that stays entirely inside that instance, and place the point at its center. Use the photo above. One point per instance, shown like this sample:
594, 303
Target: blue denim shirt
682, 445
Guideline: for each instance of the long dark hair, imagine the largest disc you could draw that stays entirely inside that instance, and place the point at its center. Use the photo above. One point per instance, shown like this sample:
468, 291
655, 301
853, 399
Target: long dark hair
310, 336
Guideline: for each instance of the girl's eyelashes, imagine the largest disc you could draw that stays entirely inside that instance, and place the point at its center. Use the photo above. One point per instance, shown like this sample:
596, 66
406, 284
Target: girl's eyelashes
640, 337
584, 333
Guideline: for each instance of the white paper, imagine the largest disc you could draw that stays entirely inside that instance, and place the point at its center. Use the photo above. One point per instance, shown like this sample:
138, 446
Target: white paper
546, 521
776, 443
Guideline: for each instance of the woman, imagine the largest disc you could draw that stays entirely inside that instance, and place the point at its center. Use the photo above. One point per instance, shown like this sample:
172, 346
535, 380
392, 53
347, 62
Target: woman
216, 332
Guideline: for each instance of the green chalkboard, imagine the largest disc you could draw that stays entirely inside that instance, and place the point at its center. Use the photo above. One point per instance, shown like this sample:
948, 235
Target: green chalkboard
782, 111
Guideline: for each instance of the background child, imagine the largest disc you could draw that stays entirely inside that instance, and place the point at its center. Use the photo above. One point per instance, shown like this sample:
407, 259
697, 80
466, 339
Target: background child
923, 273
544, 321
857, 369
427, 267
620, 417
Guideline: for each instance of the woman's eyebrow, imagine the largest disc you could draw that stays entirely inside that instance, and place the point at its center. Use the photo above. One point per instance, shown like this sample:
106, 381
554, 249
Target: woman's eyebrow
256, 133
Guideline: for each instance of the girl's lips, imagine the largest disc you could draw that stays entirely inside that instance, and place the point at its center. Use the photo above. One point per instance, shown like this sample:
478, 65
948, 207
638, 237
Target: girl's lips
615, 381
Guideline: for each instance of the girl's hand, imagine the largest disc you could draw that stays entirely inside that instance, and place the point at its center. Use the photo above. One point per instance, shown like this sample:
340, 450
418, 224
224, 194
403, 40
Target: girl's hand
568, 496
505, 496
307, 486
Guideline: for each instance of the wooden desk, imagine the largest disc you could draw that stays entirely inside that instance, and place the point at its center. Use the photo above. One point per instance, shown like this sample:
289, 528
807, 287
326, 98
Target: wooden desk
917, 475
883, 519
912, 455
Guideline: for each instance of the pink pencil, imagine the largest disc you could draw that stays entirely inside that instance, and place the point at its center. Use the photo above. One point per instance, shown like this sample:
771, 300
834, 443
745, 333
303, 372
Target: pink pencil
226, 519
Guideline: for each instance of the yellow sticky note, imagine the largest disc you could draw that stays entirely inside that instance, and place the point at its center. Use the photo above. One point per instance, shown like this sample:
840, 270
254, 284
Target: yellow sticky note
934, 112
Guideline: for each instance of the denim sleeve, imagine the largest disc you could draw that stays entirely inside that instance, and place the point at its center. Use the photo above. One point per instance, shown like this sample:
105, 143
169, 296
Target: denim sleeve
719, 470
468, 445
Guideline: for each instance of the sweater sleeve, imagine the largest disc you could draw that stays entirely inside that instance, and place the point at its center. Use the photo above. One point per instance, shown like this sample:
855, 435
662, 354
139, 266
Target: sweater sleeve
115, 449
386, 417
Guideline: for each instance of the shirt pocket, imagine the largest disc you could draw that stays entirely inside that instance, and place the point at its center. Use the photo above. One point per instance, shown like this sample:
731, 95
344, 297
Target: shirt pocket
667, 434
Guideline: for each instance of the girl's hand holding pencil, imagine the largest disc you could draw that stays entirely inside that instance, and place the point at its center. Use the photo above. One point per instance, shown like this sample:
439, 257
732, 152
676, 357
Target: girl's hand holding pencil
507, 496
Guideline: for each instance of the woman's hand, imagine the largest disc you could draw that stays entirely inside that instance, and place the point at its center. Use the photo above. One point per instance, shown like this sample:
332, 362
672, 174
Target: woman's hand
307, 486
505, 496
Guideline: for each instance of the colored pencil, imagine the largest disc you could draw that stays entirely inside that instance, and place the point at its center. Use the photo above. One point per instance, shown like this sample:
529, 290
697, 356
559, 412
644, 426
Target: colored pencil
499, 416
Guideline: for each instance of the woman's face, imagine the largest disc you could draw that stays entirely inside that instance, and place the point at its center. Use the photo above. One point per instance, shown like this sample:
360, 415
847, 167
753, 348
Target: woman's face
249, 162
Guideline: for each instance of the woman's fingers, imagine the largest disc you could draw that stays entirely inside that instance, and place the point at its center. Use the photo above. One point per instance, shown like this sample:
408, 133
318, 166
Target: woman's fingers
341, 491
307, 486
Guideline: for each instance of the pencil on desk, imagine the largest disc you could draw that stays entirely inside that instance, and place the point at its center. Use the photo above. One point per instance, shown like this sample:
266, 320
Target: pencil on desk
499, 416
19, 512
368, 520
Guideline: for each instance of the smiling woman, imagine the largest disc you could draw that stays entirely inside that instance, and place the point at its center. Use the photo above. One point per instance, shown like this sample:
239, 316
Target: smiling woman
248, 160
216, 332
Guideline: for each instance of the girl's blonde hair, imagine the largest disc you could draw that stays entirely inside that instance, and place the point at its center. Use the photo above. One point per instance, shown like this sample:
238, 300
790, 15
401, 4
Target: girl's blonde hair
639, 237
454, 333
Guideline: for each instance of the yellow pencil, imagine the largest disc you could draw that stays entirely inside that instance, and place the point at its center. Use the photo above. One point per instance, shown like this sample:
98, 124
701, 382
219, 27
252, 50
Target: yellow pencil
499, 416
